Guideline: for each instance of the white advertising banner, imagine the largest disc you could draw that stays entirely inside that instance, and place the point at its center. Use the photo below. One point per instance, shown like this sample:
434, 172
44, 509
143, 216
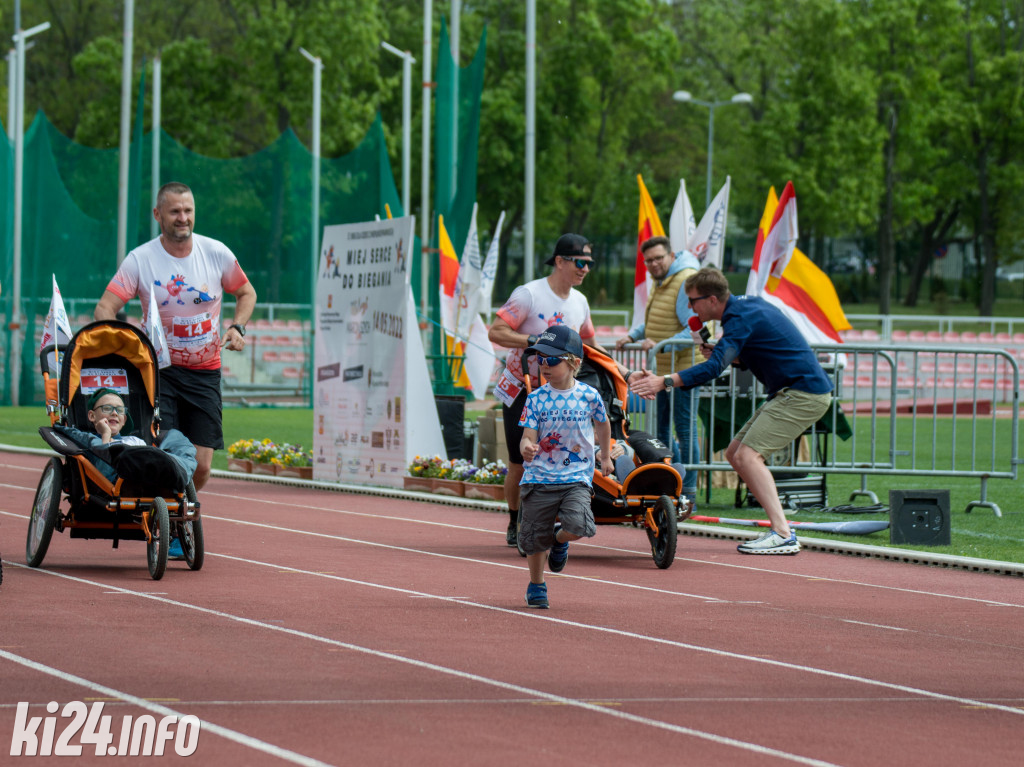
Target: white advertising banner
365, 336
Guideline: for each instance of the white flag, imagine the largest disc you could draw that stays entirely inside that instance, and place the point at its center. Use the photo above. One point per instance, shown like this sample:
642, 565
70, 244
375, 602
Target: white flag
56, 329
480, 359
490, 270
708, 241
155, 331
681, 224
468, 285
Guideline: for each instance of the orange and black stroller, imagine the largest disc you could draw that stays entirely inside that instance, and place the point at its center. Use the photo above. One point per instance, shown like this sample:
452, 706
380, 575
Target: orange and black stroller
152, 498
650, 493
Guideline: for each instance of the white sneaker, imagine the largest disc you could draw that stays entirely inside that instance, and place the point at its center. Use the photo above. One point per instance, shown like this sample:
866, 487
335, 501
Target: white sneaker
771, 543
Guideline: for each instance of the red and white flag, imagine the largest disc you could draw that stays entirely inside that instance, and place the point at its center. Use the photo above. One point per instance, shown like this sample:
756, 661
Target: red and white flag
56, 329
775, 251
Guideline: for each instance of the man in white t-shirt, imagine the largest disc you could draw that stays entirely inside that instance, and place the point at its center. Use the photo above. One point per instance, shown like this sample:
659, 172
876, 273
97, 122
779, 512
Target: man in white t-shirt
186, 274
532, 309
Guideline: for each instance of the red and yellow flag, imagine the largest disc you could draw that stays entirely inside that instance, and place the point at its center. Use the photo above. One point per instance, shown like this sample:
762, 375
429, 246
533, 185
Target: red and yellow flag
454, 348
649, 225
803, 292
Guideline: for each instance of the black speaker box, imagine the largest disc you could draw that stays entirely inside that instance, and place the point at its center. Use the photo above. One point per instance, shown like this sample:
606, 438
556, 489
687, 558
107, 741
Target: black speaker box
919, 517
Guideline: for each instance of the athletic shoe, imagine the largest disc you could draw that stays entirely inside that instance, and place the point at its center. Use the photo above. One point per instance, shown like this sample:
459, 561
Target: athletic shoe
512, 534
175, 551
771, 543
537, 595
559, 553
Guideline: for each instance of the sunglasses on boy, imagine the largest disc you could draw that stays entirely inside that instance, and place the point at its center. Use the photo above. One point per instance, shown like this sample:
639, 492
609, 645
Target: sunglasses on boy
550, 361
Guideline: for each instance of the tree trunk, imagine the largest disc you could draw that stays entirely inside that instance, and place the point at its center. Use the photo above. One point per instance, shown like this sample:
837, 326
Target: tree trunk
934, 233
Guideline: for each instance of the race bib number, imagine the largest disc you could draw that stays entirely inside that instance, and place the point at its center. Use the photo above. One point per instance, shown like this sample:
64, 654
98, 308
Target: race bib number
103, 378
191, 331
507, 389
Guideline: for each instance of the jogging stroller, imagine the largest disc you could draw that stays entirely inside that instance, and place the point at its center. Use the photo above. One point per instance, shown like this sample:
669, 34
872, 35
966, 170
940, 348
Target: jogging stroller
650, 493
152, 497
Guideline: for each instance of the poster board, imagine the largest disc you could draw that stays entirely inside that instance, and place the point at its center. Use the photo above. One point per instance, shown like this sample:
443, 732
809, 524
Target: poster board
373, 403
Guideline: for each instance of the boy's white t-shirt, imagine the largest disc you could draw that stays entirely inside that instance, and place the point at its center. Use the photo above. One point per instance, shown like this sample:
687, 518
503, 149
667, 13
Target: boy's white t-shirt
564, 421
188, 292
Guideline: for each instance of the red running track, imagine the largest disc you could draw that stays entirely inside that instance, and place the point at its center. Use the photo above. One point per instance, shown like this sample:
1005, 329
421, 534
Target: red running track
340, 629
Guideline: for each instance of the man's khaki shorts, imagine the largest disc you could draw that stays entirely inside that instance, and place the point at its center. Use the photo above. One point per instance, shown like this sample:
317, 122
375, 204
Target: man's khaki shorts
782, 419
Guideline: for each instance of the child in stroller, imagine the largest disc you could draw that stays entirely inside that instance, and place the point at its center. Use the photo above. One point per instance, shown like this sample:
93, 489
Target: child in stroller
115, 488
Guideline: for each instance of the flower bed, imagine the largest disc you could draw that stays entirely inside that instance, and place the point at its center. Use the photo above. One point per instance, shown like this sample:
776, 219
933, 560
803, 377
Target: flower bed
457, 477
267, 457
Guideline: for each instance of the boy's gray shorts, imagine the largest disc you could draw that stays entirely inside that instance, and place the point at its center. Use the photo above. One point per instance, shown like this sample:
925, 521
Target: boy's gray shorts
541, 504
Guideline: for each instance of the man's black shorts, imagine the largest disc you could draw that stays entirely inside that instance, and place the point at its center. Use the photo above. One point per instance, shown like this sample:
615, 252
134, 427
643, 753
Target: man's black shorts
190, 402
513, 431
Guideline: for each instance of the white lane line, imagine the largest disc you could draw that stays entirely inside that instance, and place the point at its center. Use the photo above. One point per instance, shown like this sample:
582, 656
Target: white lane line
452, 672
413, 520
207, 726
534, 615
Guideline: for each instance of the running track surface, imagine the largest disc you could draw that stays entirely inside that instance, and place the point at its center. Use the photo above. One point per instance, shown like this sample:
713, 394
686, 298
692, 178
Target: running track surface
328, 628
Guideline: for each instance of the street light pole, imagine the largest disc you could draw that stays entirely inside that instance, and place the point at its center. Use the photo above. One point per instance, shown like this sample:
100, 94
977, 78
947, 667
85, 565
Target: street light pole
407, 62
686, 97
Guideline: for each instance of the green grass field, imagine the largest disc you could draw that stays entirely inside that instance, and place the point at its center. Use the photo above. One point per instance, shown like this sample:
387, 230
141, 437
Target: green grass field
978, 534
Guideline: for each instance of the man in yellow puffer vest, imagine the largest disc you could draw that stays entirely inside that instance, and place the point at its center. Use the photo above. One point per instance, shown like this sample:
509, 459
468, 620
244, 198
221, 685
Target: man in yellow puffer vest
665, 317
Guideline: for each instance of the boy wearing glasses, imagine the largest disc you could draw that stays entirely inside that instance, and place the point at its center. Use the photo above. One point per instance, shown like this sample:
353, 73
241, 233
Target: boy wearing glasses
559, 422
773, 349
532, 309
109, 416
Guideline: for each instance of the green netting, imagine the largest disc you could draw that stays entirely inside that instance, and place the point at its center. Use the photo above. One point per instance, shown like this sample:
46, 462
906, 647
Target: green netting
455, 165
259, 205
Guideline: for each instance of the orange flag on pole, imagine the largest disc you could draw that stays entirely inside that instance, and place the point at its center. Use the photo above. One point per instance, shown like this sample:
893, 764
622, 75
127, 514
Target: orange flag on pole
454, 348
648, 226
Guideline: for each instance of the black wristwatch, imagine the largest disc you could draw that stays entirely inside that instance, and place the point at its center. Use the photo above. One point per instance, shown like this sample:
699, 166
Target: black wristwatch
239, 328
669, 383
531, 340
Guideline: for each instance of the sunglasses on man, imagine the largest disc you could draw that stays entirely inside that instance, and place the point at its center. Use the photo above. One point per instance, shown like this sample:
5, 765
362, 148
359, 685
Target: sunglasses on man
581, 263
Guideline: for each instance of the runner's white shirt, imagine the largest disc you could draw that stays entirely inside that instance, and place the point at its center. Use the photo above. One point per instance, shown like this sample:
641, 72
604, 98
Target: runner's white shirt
533, 308
188, 293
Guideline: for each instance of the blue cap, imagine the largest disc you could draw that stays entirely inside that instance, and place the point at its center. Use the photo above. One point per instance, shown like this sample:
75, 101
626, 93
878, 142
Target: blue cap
558, 340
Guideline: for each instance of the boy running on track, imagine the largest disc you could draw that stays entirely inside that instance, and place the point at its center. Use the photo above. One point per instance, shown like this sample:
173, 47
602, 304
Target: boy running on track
560, 421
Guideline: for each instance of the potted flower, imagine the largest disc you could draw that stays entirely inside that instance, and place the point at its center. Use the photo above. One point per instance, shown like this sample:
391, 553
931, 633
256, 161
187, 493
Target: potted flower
448, 479
240, 455
420, 472
295, 462
488, 482
266, 457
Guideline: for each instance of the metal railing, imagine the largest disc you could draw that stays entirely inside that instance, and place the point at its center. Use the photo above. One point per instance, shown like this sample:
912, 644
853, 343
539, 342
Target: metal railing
908, 410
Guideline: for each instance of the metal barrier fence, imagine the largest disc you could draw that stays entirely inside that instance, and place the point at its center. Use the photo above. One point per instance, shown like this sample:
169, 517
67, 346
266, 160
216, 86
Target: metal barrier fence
909, 410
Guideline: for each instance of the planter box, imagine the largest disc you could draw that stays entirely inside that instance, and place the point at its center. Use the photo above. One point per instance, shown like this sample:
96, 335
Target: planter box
302, 472
453, 487
419, 484
485, 492
264, 468
243, 465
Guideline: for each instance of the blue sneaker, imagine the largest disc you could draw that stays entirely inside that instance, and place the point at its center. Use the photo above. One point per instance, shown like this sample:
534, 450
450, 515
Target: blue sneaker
537, 595
175, 551
559, 553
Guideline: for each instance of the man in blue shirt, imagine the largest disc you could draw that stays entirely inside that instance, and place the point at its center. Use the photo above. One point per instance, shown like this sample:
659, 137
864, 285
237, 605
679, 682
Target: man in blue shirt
761, 338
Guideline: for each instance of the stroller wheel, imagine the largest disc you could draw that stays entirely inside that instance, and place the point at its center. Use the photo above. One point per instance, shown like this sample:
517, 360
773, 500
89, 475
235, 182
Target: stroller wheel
663, 545
190, 535
44, 513
160, 530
